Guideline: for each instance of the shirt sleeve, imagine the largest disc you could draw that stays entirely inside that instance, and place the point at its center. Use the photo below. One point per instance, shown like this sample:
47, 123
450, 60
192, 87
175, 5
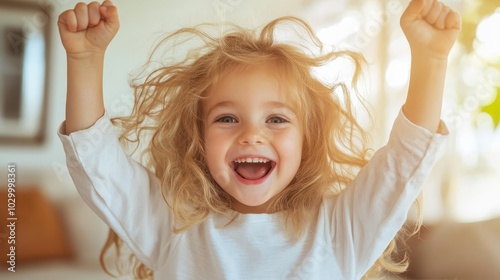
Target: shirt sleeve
123, 193
371, 210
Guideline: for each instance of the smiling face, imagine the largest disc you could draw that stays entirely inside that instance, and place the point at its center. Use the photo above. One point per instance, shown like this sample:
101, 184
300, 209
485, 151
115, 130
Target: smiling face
253, 139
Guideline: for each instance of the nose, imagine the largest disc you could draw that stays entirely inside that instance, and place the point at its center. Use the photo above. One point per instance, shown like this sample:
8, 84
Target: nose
251, 135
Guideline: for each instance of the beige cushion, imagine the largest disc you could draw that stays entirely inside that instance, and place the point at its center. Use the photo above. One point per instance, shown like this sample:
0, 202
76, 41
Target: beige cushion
39, 232
456, 251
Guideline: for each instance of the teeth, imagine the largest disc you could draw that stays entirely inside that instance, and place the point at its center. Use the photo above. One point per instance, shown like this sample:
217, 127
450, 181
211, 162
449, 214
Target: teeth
252, 160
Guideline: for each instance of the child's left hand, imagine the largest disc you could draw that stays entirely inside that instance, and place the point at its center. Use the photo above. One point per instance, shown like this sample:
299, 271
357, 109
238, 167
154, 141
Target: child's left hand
430, 27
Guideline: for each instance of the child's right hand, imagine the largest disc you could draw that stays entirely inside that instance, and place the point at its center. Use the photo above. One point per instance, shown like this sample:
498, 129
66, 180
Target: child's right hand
88, 28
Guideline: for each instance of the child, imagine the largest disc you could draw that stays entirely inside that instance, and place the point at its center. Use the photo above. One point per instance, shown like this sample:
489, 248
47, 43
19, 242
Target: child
251, 157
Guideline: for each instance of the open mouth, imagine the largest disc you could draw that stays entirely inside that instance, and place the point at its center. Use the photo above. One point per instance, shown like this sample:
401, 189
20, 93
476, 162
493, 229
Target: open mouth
252, 168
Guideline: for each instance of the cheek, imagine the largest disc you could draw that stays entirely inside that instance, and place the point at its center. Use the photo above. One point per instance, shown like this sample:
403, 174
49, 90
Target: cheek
216, 146
290, 145
215, 152
210, 149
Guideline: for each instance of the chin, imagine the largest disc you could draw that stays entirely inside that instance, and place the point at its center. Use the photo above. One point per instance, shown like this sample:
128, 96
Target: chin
252, 202
251, 206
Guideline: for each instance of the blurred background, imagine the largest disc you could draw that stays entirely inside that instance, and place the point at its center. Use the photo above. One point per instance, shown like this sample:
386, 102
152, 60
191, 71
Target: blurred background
58, 237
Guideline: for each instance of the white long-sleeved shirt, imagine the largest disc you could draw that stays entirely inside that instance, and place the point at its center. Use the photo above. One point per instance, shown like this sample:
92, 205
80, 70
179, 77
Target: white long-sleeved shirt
342, 241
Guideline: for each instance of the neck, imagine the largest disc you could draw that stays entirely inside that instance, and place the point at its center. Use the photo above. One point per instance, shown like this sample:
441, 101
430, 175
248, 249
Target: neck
245, 209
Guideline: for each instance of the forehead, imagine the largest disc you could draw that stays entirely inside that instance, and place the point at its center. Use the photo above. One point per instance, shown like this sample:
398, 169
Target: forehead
249, 85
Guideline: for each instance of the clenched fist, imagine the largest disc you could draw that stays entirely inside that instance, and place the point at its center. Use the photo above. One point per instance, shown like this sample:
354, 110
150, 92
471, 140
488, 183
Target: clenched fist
88, 28
430, 27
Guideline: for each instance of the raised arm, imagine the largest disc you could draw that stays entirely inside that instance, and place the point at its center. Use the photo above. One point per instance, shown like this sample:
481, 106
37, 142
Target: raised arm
123, 193
431, 29
368, 214
85, 33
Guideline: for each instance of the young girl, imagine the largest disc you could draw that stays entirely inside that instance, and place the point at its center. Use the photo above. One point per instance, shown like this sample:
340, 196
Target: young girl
251, 158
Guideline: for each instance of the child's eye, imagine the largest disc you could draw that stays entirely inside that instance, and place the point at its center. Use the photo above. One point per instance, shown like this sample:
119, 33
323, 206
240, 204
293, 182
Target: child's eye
276, 120
226, 119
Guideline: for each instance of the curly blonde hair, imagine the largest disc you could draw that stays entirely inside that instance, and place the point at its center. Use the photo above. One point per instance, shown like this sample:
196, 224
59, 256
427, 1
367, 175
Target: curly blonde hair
167, 109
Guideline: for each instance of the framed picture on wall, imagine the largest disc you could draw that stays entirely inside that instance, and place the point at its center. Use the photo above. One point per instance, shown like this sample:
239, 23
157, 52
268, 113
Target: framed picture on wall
24, 33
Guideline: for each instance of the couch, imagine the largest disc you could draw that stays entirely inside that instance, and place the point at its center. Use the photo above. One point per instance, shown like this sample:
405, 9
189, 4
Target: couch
55, 238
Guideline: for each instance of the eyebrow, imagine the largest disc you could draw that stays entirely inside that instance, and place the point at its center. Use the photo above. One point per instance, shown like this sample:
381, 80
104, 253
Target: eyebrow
218, 105
270, 104
279, 105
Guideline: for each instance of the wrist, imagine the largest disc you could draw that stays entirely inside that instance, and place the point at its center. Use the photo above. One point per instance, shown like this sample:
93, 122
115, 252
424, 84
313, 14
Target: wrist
429, 56
85, 57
